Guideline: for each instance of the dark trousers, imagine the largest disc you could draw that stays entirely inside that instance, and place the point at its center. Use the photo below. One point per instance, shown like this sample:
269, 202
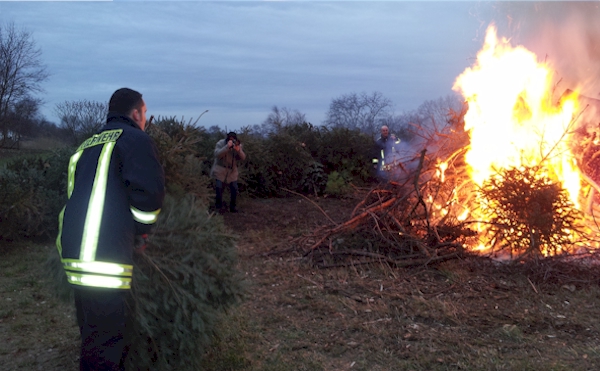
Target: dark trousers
233, 190
101, 316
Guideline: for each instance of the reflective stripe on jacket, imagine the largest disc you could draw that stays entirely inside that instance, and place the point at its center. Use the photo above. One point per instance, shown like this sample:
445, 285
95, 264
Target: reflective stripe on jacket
115, 191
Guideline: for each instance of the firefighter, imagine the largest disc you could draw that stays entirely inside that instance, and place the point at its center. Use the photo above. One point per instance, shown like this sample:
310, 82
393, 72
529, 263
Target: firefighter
115, 191
385, 154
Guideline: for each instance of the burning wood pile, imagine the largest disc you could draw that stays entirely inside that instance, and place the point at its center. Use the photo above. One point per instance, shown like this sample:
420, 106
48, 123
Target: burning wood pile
516, 175
394, 225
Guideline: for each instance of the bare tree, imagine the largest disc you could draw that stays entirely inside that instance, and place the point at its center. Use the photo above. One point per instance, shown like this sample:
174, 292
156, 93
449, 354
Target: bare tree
21, 73
359, 111
432, 119
81, 118
279, 118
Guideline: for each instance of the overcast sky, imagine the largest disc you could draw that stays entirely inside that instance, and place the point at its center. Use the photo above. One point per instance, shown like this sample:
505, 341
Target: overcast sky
239, 59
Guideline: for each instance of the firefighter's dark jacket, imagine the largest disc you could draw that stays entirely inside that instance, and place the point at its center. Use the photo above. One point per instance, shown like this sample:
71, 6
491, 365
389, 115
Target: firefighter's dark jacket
383, 148
115, 191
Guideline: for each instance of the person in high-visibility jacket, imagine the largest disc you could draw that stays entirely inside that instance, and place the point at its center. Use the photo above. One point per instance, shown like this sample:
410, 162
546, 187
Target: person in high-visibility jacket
385, 154
115, 190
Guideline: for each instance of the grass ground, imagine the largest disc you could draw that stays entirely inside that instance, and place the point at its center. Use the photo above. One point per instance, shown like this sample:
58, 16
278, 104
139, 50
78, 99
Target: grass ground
38, 330
466, 314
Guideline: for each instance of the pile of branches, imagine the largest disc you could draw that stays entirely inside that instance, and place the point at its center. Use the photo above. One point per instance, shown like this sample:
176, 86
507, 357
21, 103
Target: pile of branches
411, 220
420, 217
398, 223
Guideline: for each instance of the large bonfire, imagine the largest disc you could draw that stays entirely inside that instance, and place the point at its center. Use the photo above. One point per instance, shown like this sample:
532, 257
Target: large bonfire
512, 175
521, 155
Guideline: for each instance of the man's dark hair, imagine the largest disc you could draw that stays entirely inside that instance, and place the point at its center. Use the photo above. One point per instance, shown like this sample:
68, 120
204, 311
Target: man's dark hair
124, 100
231, 134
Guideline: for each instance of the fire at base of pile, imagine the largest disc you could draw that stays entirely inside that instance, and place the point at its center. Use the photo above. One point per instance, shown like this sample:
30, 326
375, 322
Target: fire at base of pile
182, 284
528, 216
394, 225
518, 215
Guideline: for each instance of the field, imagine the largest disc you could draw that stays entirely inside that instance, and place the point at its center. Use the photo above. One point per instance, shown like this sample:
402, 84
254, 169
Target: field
464, 314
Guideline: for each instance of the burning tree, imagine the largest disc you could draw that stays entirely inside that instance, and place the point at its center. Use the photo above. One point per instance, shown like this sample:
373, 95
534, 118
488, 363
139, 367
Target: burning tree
529, 215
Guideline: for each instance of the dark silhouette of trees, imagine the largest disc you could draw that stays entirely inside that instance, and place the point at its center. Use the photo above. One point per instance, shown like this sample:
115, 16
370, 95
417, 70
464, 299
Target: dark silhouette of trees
366, 112
82, 118
21, 75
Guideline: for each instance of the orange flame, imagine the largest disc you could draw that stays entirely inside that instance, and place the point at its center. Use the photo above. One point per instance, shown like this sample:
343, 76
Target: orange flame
511, 119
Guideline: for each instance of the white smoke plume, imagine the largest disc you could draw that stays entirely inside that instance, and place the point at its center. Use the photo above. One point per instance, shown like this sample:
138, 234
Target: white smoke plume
566, 34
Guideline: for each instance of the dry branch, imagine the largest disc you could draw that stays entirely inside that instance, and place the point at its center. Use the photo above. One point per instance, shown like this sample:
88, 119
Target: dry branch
392, 225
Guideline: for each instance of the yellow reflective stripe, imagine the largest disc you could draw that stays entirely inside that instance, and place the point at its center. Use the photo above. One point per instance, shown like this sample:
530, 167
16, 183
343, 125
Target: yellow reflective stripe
72, 166
60, 227
114, 269
375, 161
91, 230
99, 281
145, 217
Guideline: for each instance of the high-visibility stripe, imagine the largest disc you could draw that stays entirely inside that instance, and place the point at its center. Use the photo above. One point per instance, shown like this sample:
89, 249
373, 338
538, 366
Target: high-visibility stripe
97, 280
72, 166
86, 271
60, 227
91, 229
144, 217
99, 267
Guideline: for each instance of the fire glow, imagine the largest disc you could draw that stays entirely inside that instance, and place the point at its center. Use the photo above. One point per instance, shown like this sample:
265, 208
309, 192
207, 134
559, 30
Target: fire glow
512, 120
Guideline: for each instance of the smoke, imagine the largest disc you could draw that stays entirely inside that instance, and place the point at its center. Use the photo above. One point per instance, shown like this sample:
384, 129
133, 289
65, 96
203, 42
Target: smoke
565, 34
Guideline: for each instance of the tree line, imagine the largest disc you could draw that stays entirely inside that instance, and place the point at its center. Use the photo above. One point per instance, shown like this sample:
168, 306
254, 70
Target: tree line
22, 73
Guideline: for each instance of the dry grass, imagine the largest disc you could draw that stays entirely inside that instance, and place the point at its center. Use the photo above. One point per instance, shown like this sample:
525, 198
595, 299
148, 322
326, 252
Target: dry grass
467, 314
38, 330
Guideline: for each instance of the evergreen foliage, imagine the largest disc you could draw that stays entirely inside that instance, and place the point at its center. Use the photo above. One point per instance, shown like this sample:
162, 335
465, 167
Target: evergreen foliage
337, 184
299, 157
183, 282
182, 285
530, 216
177, 144
32, 192
314, 179
345, 150
276, 162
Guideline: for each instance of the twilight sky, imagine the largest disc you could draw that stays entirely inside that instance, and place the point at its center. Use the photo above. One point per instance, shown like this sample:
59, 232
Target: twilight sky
238, 59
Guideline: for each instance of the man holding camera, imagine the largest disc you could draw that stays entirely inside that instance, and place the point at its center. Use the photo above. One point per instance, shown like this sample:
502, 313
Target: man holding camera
227, 153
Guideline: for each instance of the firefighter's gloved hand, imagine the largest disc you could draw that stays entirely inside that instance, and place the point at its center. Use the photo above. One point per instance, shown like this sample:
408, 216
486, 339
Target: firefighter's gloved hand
141, 242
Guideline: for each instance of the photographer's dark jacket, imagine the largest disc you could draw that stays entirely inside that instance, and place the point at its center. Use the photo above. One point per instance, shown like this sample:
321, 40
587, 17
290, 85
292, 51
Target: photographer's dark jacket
225, 165
115, 191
